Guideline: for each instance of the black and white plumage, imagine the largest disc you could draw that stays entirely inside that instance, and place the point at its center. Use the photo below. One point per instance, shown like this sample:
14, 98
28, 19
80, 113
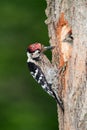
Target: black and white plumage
42, 70
39, 77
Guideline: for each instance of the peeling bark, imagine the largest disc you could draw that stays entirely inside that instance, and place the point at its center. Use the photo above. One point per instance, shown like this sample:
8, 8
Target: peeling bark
70, 17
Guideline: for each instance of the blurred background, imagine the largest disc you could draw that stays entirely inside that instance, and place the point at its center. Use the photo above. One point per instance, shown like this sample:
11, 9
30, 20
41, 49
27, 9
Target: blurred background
23, 103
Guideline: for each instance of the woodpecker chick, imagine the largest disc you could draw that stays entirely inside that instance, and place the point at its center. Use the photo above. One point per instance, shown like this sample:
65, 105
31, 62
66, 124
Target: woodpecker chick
43, 71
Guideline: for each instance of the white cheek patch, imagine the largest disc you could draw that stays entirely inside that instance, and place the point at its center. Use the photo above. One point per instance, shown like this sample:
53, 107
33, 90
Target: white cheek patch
35, 54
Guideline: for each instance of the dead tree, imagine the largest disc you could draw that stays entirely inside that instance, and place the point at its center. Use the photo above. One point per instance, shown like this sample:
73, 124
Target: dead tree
67, 27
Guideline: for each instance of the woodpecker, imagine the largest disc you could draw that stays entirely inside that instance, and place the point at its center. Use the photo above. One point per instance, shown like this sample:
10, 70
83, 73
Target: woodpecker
43, 71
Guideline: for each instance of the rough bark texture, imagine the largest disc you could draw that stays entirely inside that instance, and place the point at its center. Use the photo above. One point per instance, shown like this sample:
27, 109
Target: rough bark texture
64, 17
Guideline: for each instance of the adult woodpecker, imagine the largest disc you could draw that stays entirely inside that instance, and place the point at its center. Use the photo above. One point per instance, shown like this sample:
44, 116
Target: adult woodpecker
42, 70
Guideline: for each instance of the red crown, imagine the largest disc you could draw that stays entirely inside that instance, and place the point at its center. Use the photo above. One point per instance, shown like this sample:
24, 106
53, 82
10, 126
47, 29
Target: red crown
34, 47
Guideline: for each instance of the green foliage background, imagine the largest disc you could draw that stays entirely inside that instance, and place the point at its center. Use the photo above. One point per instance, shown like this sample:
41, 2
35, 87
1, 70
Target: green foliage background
23, 104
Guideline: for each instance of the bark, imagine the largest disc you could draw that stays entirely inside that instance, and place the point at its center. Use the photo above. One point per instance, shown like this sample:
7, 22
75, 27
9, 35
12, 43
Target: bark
69, 17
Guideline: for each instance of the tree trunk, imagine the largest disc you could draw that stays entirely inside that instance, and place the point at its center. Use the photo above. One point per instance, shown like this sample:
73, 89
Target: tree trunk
67, 19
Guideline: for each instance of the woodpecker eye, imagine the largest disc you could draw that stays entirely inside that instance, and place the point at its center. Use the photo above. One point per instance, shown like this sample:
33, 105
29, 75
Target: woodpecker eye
35, 54
39, 51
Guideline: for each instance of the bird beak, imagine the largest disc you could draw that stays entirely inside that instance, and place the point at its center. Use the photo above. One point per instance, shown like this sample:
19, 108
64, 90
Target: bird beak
45, 48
